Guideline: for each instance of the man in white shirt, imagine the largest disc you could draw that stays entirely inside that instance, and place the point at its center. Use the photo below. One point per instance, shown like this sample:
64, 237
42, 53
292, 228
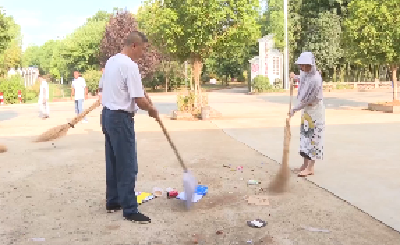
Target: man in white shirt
79, 90
120, 91
43, 98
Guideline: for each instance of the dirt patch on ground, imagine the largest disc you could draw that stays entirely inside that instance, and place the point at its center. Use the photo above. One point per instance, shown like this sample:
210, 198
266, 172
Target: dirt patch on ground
58, 194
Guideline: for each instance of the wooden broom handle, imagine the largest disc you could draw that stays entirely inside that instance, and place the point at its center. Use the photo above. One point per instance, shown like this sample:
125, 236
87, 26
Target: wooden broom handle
83, 114
291, 94
167, 136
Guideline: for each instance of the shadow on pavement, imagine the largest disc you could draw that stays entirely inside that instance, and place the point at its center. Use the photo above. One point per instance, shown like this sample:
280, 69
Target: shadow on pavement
7, 115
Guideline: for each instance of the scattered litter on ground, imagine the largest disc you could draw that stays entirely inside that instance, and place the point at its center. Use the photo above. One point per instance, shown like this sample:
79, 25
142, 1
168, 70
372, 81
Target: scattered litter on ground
253, 182
158, 192
143, 197
257, 223
219, 232
258, 200
38, 239
196, 197
201, 190
172, 194
240, 168
226, 166
313, 229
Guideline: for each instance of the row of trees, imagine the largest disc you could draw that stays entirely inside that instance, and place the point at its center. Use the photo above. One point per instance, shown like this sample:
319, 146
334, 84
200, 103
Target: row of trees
217, 38
10, 43
344, 35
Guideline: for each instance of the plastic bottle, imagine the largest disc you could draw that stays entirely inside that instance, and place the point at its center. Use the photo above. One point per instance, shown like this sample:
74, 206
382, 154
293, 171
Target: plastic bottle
253, 182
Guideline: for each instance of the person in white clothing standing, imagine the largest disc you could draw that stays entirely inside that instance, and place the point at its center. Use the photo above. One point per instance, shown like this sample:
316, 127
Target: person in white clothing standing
79, 90
44, 109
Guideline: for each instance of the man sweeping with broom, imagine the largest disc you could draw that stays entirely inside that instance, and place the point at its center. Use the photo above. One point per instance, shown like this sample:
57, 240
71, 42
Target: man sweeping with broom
121, 90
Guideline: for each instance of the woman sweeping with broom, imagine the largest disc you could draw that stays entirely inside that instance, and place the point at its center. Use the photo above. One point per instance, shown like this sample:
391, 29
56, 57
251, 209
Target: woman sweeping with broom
310, 100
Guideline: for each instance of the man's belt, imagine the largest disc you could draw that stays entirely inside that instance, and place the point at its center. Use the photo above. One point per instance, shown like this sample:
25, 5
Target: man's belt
132, 114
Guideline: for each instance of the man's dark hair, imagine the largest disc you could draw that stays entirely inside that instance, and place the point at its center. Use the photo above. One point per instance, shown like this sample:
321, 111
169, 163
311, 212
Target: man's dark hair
135, 37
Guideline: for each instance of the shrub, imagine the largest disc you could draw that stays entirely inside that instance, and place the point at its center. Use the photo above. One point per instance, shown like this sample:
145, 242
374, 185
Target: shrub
10, 87
241, 78
186, 102
205, 78
92, 78
343, 86
261, 85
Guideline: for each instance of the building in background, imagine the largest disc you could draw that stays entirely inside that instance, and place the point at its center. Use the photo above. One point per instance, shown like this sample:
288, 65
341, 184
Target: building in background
269, 63
29, 75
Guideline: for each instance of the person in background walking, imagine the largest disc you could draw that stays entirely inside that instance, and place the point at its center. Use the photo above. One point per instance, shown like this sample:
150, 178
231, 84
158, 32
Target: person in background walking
79, 90
43, 101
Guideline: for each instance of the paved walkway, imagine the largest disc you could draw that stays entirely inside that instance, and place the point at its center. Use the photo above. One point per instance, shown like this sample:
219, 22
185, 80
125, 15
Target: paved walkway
56, 192
362, 154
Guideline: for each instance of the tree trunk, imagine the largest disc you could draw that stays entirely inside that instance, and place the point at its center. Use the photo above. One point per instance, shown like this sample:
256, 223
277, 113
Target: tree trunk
167, 75
191, 77
166, 84
394, 78
198, 66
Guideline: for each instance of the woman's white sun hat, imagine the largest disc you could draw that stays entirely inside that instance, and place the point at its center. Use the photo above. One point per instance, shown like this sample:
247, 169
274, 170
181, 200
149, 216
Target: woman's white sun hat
306, 58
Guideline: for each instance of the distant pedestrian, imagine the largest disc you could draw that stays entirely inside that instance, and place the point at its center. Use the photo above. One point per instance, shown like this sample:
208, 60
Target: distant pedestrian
79, 90
43, 101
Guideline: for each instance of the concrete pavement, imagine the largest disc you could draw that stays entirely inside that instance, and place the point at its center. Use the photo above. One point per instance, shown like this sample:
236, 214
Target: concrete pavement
362, 148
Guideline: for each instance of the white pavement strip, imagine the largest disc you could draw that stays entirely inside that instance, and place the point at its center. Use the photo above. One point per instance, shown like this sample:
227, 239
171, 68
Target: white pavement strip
371, 191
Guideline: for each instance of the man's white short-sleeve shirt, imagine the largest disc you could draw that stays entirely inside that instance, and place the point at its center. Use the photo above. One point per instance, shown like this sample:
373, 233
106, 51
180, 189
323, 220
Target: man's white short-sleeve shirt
121, 83
79, 84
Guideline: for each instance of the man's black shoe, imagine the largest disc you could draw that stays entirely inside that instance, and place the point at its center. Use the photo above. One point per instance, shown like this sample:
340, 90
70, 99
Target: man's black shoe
113, 208
138, 218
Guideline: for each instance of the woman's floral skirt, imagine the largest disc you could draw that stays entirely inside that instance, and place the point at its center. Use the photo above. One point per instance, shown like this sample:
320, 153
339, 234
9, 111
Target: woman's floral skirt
312, 131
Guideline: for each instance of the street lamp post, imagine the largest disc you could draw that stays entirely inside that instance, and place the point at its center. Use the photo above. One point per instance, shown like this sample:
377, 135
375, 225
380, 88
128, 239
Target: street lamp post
286, 49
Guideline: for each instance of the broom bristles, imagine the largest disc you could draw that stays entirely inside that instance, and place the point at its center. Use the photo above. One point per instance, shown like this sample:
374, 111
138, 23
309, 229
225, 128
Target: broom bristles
62, 130
53, 133
280, 183
3, 148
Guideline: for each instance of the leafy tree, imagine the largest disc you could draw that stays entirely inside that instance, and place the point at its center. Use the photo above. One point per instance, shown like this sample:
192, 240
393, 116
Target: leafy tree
323, 38
193, 29
101, 15
11, 55
5, 36
30, 56
120, 25
47, 57
81, 49
372, 34
92, 78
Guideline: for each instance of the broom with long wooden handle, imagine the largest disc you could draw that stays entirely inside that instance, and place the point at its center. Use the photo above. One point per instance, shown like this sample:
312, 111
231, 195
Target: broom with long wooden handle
279, 183
189, 181
62, 130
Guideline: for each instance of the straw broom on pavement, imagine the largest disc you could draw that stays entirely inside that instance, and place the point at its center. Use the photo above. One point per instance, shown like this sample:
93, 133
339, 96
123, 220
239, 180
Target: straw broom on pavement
61, 130
279, 184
